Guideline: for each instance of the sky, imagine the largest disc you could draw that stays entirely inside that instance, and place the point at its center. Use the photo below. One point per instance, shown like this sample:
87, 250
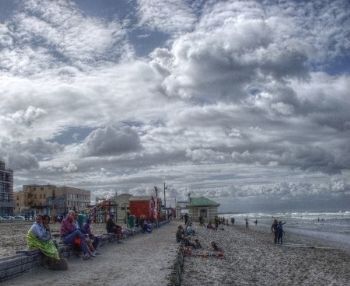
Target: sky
245, 102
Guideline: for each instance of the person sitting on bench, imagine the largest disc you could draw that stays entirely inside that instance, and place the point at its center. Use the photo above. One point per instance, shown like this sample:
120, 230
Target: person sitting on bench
39, 237
70, 234
112, 227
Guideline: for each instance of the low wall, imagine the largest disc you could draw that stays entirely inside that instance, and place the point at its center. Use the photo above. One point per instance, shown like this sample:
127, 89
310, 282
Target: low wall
26, 260
176, 273
23, 261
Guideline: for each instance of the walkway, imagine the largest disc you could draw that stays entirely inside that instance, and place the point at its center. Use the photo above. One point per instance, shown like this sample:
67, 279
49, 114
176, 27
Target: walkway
141, 260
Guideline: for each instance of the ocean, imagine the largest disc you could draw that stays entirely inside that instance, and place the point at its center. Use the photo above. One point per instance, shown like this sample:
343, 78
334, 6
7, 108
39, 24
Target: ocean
332, 228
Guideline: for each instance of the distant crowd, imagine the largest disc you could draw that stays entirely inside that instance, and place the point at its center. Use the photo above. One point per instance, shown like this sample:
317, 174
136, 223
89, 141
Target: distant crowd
276, 227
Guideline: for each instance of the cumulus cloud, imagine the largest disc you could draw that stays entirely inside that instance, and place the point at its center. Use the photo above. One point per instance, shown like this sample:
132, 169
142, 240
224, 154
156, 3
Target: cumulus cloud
27, 116
111, 141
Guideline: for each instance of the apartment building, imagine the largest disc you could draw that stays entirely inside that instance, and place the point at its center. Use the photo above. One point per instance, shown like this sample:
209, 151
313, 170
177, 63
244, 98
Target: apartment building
6, 190
50, 199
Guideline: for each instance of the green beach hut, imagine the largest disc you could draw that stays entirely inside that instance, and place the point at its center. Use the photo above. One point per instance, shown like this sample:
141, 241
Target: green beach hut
204, 207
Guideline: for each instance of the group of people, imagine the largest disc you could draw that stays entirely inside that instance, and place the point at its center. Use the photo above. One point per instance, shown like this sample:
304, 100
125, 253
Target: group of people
277, 230
75, 230
217, 221
183, 236
145, 225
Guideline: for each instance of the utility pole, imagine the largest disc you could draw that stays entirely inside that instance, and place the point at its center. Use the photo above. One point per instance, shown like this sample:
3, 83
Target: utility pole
164, 195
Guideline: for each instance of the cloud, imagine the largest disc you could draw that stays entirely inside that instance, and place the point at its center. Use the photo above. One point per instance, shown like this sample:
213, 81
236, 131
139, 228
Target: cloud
70, 168
322, 25
39, 147
54, 34
170, 16
22, 161
111, 141
27, 155
28, 116
221, 59
205, 155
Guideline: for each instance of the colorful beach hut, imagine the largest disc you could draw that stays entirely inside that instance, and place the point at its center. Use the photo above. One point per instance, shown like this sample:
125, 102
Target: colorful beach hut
203, 207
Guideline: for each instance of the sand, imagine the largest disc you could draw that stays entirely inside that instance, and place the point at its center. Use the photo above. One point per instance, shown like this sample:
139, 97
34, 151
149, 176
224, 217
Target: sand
251, 258
145, 259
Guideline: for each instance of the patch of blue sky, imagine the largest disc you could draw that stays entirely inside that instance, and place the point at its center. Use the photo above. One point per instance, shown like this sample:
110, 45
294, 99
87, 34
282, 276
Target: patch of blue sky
339, 66
74, 134
7, 7
145, 41
107, 9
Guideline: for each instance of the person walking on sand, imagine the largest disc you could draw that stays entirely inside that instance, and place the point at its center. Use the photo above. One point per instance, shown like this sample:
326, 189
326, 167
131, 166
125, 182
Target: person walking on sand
246, 223
216, 221
274, 230
186, 218
280, 232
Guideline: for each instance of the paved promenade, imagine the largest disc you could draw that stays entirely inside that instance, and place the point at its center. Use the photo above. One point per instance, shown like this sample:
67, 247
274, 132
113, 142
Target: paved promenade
144, 259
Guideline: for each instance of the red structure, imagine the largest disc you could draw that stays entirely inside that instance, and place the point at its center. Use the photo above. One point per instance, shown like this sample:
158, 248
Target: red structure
147, 207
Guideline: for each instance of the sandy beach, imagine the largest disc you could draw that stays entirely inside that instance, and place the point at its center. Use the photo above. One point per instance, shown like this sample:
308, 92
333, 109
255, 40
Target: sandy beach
144, 259
251, 258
